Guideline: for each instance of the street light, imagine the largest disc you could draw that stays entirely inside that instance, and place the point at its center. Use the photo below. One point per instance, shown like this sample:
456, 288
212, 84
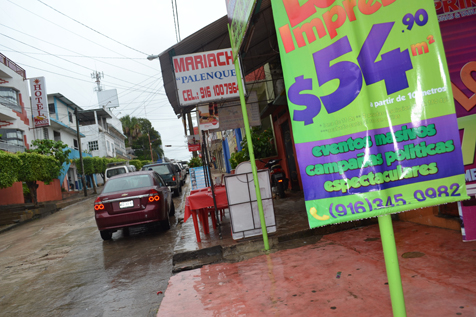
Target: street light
152, 57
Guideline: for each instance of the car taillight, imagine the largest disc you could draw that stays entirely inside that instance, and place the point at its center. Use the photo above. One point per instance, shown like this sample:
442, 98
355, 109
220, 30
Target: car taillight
280, 181
98, 205
153, 195
173, 178
277, 170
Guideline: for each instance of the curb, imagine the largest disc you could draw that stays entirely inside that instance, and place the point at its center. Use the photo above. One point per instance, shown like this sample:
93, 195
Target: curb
185, 261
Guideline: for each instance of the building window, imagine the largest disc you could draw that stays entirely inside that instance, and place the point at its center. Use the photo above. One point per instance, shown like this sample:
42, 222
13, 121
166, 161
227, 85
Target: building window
51, 108
93, 145
9, 98
108, 147
57, 136
75, 144
70, 115
46, 136
12, 136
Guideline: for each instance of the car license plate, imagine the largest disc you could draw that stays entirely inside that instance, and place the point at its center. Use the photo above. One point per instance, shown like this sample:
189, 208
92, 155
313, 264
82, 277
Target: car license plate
126, 204
278, 175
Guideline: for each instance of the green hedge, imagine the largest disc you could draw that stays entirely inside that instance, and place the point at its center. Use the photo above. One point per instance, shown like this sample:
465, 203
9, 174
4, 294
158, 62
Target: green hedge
10, 165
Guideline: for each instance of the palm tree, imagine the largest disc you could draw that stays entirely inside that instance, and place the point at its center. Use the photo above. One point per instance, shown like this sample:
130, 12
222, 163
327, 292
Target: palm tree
131, 127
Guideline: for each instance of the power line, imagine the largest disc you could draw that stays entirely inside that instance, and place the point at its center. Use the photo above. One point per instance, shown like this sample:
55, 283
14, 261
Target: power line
85, 38
61, 58
132, 71
49, 71
79, 56
177, 35
43, 61
91, 28
178, 24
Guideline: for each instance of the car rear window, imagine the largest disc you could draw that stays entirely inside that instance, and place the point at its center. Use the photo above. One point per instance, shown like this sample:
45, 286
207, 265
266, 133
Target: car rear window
127, 183
115, 171
160, 169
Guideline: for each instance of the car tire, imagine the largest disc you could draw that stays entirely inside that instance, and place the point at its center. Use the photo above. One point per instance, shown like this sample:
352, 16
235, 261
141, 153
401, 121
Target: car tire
106, 235
165, 224
176, 192
172, 209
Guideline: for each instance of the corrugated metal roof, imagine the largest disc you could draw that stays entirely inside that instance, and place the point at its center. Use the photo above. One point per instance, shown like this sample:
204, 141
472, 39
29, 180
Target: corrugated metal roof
262, 48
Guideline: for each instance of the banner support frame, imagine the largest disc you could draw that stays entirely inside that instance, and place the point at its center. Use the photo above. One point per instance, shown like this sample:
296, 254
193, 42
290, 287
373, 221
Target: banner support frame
250, 146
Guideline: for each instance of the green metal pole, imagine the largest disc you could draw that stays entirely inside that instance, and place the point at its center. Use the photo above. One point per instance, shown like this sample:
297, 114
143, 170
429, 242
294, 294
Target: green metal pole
250, 149
391, 264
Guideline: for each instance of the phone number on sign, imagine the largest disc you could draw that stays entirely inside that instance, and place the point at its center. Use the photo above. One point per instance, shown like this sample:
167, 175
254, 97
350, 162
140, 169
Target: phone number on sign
341, 210
210, 91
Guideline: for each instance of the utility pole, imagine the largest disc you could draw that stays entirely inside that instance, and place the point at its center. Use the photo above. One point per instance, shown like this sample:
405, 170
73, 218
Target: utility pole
190, 128
83, 178
150, 147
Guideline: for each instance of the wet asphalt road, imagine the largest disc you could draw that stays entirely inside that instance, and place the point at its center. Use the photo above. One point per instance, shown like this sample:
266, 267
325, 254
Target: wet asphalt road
59, 266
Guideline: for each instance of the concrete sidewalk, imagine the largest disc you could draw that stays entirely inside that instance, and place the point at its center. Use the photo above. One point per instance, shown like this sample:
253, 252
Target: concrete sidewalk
339, 274
292, 224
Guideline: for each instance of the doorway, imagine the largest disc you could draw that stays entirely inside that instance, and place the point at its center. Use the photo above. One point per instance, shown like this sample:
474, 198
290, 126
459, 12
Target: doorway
289, 149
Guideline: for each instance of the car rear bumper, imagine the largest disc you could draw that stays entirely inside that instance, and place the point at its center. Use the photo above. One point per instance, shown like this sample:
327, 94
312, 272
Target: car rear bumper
106, 221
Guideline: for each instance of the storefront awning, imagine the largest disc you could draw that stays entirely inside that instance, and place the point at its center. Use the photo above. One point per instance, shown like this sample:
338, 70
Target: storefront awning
260, 47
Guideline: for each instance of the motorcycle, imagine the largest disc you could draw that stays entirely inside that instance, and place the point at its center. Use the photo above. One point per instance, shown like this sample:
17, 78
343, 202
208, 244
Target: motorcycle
279, 182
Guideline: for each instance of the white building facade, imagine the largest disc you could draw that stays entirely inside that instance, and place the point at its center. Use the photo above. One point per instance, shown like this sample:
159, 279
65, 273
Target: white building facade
15, 108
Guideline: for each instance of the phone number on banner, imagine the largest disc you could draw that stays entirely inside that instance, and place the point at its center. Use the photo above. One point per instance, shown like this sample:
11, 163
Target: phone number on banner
376, 203
207, 92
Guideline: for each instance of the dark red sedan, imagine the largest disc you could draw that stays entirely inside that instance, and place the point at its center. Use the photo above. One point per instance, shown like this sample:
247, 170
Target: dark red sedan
133, 199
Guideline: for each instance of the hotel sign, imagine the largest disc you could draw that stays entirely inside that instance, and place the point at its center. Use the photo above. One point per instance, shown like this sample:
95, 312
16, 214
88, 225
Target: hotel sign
39, 102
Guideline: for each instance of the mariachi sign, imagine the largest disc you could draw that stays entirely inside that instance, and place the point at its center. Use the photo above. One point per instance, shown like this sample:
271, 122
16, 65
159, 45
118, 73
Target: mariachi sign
39, 102
372, 114
204, 77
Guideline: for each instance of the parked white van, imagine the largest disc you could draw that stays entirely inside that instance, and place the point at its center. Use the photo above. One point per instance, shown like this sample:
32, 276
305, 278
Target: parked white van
118, 168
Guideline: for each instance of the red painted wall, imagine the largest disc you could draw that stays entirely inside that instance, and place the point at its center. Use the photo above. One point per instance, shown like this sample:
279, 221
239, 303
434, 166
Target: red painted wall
49, 192
277, 121
12, 195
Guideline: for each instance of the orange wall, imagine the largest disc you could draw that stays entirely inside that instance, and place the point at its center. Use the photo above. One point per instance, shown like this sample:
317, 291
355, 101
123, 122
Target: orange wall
280, 142
12, 195
49, 192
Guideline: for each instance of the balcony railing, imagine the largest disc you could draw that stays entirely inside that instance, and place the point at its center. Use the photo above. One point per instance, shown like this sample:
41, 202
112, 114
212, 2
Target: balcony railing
12, 148
12, 65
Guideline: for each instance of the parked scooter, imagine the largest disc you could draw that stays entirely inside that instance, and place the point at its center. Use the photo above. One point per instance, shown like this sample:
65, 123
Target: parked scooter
279, 182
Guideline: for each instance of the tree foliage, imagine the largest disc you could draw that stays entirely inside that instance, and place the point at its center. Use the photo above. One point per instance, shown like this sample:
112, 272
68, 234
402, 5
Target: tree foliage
138, 131
10, 165
37, 167
136, 163
263, 144
236, 158
195, 162
56, 149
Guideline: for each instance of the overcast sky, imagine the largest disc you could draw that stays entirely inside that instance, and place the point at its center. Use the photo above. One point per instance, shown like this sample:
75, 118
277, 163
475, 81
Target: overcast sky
42, 37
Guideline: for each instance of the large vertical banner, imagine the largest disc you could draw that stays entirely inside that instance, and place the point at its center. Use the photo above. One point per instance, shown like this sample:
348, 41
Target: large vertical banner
458, 29
239, 15
39, 102
372, 114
